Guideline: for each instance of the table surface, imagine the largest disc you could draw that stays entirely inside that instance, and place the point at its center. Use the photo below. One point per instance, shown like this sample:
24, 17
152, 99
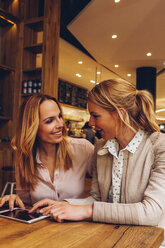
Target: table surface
48, 233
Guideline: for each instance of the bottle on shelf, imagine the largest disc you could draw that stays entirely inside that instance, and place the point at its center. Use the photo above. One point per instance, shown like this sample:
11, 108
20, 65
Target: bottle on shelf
31, 86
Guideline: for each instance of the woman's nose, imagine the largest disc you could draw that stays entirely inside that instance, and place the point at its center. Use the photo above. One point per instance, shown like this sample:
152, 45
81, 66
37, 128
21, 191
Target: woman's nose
60, 122
91, 122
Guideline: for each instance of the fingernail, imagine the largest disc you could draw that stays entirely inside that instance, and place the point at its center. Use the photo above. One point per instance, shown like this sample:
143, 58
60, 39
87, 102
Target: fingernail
41, 211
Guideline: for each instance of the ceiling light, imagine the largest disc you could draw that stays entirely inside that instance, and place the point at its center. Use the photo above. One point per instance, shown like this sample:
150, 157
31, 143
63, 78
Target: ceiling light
160, 118
80, 62
98, 72
128, 75
78, 75
159, 110
116, 66
92, 81
116, 1
114, 36
149, 54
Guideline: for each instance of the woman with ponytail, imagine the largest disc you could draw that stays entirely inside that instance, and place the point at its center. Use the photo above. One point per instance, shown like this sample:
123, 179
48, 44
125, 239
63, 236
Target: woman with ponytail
128, 184
48, 163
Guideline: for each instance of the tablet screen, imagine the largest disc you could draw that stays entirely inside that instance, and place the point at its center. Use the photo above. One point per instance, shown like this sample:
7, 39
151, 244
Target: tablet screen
22, 215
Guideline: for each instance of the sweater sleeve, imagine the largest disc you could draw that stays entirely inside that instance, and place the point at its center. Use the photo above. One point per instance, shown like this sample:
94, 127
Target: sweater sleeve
89, 151
150, 209
95, 191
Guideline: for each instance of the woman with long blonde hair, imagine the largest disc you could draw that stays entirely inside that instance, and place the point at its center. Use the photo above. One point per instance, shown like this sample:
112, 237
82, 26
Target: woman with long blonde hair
128, 183
48, 163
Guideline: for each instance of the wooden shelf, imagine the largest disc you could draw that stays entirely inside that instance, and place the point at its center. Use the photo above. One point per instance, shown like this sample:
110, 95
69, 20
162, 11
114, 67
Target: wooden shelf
7, 18
4, 145
28, 95
35, 23
34, 48
29, 70
6, 68
9, 63
4, 118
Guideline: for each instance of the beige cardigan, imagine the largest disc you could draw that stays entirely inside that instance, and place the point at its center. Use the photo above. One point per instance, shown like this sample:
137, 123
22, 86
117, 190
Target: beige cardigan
143, 185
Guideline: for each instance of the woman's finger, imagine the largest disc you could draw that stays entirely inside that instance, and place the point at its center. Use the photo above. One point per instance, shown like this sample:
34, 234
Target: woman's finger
49, 209
20, 203
38, 205
46, 210
60, 218
3, 200
41, 204
11, 201
57, 214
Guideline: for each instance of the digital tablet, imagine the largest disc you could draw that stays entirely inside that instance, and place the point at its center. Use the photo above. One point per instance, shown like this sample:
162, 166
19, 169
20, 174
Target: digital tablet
22, 215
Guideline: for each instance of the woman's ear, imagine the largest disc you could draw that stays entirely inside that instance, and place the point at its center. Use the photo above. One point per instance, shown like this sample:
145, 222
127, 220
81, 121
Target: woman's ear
122, 113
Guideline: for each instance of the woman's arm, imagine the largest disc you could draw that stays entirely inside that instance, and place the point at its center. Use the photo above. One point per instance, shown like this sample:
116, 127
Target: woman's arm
65, 211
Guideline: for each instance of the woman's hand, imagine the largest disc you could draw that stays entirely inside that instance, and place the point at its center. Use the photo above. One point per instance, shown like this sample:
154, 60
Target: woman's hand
64, 211
12, 198
42, 204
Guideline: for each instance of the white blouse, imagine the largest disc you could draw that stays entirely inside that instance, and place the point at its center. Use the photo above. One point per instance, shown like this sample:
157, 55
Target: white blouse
118, 163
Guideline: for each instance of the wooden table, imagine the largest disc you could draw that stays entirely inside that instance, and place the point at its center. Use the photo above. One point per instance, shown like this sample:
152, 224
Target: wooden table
49, 234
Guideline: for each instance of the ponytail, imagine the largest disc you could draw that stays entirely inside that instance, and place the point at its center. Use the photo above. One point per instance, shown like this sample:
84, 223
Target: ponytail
146, 117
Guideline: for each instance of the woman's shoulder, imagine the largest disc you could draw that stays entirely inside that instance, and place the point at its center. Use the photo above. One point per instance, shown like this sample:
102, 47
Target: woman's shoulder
80, 147
157, 137
79, 142
157, 141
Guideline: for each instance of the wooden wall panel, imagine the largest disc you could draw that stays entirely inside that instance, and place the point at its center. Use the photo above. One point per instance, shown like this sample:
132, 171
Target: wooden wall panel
12, 7
8, 51
51, 47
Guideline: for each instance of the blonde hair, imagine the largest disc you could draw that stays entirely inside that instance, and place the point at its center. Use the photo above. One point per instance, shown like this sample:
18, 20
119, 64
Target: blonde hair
114, 94
25, 141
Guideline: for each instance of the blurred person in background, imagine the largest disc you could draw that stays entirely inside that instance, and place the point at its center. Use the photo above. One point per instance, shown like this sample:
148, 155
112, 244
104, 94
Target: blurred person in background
88, 132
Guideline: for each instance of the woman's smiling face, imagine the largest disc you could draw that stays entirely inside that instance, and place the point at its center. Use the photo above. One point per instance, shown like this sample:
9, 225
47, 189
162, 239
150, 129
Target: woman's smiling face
50, 123
103, 120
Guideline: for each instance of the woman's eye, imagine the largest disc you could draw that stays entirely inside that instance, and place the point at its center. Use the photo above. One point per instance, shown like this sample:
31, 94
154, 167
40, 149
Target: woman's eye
48, 121
95, 116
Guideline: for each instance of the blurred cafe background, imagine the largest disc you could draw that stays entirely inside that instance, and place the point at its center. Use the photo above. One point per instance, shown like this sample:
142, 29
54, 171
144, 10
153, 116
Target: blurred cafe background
65, 47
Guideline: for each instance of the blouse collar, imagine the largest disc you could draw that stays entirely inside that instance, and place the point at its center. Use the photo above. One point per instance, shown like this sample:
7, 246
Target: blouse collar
112, 145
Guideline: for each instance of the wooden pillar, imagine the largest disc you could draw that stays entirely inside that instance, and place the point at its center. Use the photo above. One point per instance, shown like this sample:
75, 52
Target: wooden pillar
51, 47
18, 77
